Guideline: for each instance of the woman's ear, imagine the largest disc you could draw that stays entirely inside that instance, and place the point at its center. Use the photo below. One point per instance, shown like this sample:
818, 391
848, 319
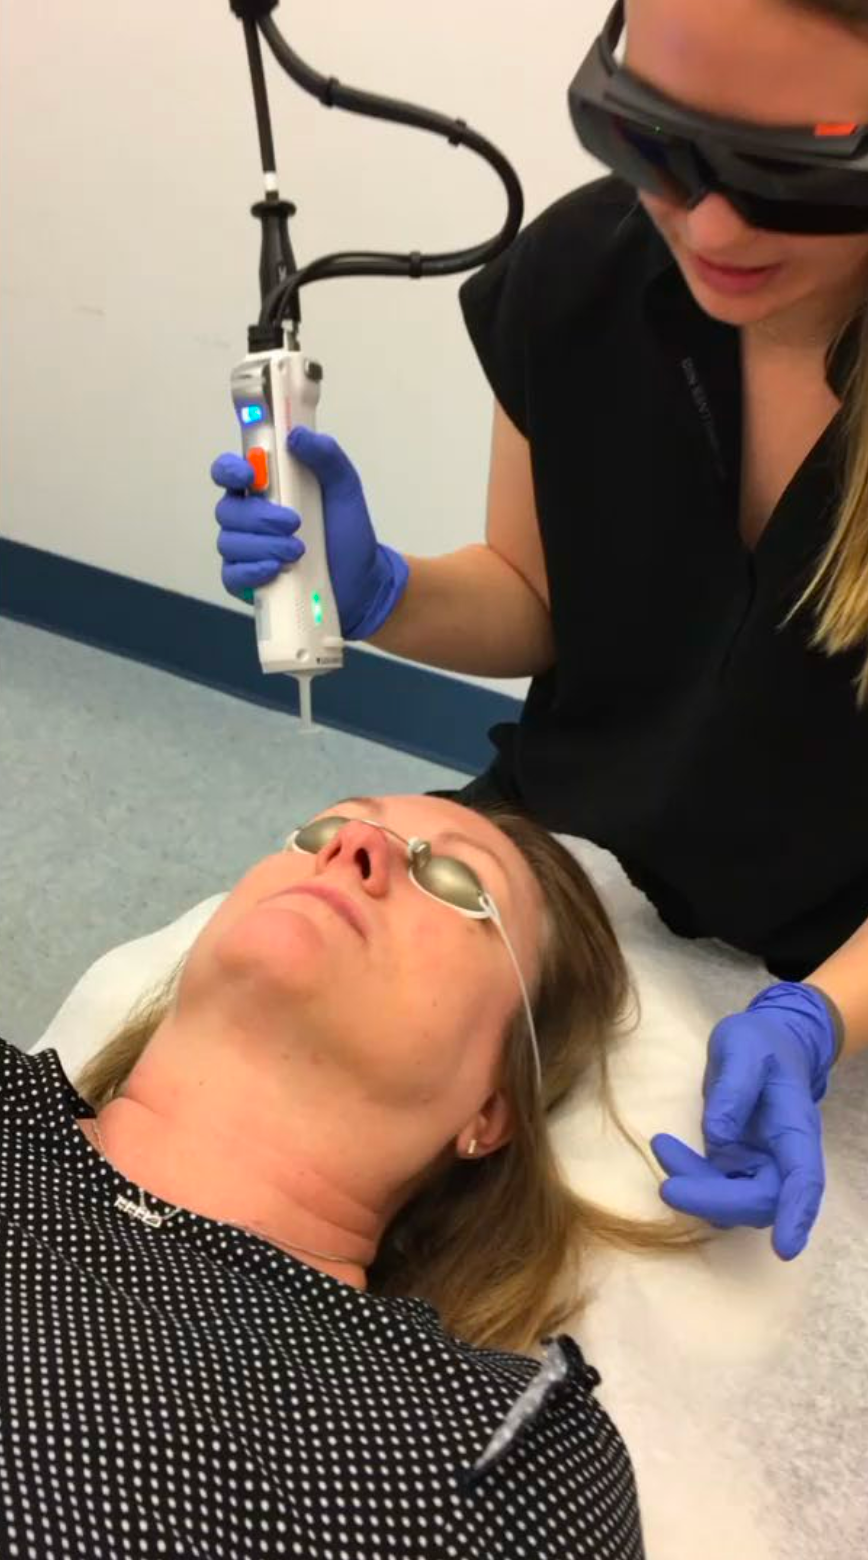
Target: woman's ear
487, 1130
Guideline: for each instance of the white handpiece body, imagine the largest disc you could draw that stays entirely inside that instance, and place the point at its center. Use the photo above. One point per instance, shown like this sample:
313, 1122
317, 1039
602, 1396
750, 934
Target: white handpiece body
297, 623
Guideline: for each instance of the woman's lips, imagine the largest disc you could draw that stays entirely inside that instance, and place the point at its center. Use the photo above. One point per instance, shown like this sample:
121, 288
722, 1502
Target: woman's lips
731, 278
341, 903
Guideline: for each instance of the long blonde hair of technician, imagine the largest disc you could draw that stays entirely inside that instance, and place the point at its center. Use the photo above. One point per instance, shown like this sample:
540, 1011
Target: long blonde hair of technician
838, 591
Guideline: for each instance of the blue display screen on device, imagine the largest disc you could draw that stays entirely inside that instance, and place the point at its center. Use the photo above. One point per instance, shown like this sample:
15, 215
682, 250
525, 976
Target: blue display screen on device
252, 414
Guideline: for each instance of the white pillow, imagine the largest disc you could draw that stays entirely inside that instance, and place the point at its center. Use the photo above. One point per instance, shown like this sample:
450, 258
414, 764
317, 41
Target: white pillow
100, 1001
738, 1382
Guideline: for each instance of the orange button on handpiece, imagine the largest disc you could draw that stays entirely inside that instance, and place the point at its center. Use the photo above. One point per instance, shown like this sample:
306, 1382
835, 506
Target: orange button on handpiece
259, 461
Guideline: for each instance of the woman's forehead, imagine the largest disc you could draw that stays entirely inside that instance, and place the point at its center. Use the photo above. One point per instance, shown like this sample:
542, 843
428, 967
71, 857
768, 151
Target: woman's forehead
769, 63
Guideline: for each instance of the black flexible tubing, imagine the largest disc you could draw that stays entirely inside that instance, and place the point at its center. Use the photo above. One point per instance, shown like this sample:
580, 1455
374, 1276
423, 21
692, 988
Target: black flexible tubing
260, 96
333, 94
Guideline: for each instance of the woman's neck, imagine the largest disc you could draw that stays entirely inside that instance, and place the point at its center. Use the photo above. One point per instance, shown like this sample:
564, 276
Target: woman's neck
808, 328
204, 1127
206, 1177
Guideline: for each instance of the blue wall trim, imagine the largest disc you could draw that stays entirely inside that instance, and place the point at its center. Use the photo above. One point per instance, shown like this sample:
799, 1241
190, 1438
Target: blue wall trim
393, 702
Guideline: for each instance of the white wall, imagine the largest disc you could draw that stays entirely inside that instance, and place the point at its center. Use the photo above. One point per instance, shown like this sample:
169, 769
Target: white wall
129, 271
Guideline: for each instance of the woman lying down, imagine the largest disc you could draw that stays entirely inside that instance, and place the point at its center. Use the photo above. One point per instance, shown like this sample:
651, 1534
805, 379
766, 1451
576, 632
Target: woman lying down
276, 1274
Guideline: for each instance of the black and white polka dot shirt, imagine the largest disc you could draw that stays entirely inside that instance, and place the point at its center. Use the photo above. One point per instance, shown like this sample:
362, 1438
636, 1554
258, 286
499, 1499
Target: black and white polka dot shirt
194, 1391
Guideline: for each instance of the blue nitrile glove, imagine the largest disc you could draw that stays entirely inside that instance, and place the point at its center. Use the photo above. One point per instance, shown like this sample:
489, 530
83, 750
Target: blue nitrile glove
734, 1185
767, 1069
257, 537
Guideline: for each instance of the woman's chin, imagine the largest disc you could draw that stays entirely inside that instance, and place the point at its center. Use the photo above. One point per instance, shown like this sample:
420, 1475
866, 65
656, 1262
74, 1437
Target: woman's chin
279, 949
734, 311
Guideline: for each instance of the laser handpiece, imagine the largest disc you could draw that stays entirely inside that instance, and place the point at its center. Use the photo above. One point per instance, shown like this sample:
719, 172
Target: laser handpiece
297, 624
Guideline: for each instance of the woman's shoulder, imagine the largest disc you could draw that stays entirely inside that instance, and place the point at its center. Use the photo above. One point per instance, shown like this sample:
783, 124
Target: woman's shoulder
589, 245
562, 285
19, 1101
559, 1361
536, 1387
553, 1420
32, 1084
589, 214
14, 1068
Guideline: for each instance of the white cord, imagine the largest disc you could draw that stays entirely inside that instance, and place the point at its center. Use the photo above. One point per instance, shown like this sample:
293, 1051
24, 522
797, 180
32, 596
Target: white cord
494, 913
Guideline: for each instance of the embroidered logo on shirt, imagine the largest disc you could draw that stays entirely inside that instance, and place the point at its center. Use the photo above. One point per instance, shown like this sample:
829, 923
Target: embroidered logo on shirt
700, 401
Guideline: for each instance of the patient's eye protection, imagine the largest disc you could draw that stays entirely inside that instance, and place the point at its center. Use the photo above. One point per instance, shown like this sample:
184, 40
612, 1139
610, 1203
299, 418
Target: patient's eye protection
445, 878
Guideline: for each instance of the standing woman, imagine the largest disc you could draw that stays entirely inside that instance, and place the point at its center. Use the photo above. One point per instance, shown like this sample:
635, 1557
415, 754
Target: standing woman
677, 538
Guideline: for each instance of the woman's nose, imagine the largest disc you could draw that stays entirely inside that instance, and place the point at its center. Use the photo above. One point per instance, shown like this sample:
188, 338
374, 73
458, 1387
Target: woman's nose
714, 226
362, 849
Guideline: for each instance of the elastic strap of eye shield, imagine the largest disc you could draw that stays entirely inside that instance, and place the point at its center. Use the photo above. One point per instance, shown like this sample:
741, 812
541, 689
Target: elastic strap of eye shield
488, 911
494, 915
419, 851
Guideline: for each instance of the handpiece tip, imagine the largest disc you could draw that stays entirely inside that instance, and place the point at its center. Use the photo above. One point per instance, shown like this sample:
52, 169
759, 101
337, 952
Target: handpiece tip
305, 705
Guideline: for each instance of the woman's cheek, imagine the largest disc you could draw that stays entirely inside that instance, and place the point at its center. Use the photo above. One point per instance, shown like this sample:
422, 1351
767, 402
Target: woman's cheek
420, 930
444, 946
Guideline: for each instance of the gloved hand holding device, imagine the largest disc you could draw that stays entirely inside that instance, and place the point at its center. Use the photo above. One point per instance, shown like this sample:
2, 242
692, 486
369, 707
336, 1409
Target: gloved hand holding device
258, 538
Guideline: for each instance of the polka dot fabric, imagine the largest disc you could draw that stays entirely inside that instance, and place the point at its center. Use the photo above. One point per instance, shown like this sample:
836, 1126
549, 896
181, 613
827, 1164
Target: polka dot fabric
194, 1391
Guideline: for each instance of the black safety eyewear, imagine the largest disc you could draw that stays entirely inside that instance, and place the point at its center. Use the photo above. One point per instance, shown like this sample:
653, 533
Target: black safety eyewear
805, 179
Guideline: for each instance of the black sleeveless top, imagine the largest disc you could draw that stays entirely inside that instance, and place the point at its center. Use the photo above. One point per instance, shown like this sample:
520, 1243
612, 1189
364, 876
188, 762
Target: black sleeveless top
686, 726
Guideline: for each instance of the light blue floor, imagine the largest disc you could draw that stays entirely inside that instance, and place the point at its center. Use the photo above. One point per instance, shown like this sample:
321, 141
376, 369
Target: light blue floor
129, 795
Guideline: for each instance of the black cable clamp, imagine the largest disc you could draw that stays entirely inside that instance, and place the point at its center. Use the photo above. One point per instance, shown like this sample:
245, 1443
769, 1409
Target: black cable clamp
252, 10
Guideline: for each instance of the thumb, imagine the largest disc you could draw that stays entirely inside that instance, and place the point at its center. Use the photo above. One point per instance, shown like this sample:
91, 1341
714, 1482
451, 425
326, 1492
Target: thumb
324, 457
737, 1071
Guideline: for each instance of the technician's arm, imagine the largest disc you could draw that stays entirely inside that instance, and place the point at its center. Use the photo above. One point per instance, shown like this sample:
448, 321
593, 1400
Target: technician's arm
844, 977
483, 609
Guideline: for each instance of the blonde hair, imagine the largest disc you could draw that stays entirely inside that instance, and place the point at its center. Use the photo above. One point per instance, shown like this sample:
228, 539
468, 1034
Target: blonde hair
497, 1244
838, 589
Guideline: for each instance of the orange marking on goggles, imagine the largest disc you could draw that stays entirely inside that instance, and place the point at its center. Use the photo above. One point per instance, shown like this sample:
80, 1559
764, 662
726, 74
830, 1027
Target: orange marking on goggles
835, 129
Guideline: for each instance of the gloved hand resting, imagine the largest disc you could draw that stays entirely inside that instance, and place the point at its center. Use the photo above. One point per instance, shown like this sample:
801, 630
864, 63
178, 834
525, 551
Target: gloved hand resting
257, 538
767, 1069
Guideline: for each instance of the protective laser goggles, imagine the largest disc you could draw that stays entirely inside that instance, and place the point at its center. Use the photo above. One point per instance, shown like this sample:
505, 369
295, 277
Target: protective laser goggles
808, 179
444, 878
